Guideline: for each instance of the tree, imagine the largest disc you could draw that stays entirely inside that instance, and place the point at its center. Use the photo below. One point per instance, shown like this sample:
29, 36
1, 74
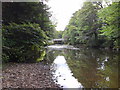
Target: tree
95, 25
26, 29
24, 12
110, 27
85, 22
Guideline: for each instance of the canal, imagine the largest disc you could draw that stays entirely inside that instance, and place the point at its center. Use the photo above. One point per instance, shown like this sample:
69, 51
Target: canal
83, 67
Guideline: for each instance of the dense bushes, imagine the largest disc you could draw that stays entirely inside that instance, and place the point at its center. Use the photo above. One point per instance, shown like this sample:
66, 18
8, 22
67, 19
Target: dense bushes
26, 30
22, 42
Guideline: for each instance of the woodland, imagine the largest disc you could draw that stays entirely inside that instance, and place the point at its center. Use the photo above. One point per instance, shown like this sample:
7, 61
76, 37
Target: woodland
27, 28
95, 25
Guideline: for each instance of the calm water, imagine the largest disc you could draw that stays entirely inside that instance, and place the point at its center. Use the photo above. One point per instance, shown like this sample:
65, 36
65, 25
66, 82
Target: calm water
83, 68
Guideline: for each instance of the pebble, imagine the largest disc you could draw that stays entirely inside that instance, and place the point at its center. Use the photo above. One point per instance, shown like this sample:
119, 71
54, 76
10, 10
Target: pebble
24, 75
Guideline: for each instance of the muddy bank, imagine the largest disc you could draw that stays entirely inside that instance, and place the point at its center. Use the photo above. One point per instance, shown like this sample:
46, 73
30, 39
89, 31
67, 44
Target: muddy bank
35, 75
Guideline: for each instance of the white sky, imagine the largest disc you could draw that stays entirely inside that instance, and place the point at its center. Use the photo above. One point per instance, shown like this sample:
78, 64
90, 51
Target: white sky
62, 10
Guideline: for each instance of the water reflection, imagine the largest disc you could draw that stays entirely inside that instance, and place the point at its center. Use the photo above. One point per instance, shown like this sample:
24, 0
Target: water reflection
60, 47
92, 68
63, 75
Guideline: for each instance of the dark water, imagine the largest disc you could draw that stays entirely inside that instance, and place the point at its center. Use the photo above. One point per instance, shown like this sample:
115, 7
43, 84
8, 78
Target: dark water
81, 67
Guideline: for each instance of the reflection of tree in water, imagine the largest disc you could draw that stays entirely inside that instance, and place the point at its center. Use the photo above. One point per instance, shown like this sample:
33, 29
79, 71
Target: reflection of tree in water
86, 67
93, 68
110, 70
51, 55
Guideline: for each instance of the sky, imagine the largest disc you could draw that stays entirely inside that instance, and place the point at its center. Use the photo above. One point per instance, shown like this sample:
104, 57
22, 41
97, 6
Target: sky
62, 11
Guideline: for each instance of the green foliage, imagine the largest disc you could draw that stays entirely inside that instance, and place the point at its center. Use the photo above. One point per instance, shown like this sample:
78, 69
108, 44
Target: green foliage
83, 26
5, 57
26, 30
94, 26
110, 28
58, 34
24, 12
43, 53
22, 42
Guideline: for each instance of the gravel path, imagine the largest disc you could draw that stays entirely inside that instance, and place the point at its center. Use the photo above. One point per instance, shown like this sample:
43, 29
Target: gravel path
34, 75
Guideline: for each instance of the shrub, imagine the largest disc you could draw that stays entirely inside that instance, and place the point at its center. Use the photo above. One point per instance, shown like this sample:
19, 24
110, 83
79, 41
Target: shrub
23, 42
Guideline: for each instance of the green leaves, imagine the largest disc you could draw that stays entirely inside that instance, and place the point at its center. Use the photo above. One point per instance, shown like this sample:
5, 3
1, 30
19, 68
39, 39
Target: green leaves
110, 18
95, 27
22, 39
26, 30
82, 25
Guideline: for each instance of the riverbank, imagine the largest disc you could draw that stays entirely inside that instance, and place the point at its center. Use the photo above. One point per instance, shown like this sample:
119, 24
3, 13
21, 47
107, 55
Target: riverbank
32, 75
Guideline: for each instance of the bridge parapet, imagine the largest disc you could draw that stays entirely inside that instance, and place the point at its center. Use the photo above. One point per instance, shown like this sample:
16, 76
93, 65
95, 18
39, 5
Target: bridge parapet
58, 41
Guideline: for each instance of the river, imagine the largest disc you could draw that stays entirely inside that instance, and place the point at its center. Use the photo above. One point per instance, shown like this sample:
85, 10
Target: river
67, 67
83, 67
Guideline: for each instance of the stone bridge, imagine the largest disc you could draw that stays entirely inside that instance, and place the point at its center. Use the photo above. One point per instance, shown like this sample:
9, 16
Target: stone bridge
58, 41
